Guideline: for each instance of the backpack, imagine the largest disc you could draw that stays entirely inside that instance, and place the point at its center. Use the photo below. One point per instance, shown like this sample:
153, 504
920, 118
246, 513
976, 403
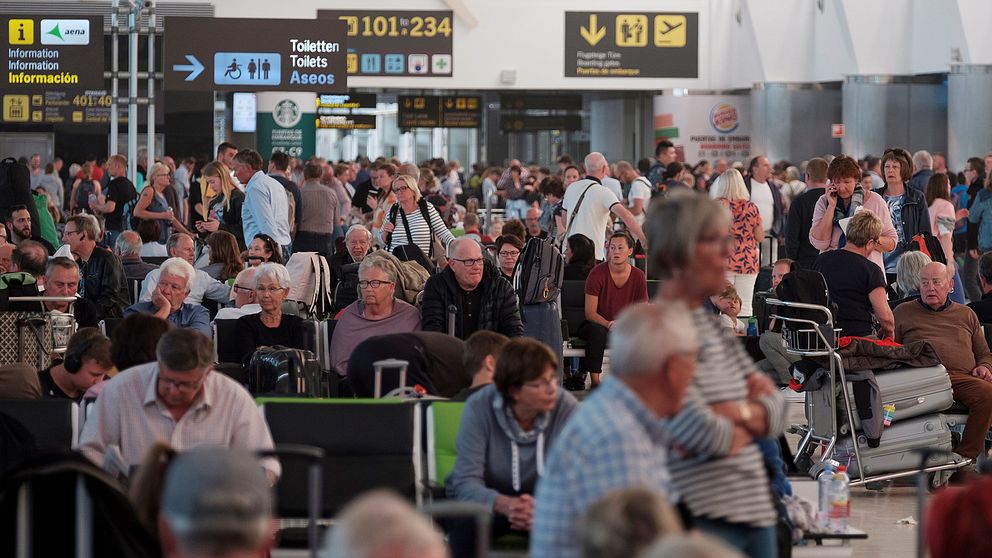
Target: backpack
311, 283
809, 287
540, 271
15, 284
291, 202
127, 214
929, 245
15, 189
410, 276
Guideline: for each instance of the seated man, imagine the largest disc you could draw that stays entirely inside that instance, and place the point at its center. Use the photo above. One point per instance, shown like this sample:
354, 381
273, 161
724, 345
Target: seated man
87, 361
956, 334
167, 303
20, 228
777, 361
377, 312
983, 307
480, 297
192, 523
202, 286
102, 279
62, 279
128, 249
243, 295
175, 399
379, 523
482, 350
344, 265
617, 438
31, 257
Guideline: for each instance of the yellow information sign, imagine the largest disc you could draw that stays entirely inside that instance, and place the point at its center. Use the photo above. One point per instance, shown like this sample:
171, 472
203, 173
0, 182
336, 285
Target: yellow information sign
20, 32
669, 31
632, 45
632, 30
15, 108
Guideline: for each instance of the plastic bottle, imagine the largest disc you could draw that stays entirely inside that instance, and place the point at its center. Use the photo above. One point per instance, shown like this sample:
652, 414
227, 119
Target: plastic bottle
840, 501
823, 501
888, 412
752, 327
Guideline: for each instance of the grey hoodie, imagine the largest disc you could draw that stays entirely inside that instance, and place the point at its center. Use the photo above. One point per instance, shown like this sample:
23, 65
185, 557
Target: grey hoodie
494, 455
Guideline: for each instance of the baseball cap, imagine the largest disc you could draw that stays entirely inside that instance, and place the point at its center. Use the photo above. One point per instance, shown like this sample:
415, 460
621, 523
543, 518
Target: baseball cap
217, 492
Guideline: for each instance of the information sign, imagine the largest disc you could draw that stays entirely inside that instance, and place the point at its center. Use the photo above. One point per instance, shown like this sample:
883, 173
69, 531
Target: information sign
617, 44
397, 42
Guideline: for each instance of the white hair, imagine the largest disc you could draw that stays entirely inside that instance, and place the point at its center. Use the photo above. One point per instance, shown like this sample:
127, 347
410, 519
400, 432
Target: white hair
594, 161
379, 521
645, 336
273, 271
355, 229
180, 268
922, 159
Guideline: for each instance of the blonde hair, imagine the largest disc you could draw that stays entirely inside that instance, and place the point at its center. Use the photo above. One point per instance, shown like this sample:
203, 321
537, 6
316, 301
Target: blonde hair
156, 169
410, 182
864, 227
227, 187
733, 186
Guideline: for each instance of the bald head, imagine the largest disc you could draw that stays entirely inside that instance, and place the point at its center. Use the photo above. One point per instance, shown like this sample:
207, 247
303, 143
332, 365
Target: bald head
464, 248
935, 285
596, 164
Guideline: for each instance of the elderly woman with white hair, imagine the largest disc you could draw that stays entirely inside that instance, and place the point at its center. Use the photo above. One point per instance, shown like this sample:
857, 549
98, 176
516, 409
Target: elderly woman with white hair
270, 326
747, 232
169, 295
908, 272
376, 312
721, 475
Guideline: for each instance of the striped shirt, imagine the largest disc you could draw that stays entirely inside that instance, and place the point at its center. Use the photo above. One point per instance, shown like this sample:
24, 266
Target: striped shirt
420, 231
729, 488
129, 415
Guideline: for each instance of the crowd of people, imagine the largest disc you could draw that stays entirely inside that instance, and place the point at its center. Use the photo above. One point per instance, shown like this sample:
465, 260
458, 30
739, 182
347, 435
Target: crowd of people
680, 435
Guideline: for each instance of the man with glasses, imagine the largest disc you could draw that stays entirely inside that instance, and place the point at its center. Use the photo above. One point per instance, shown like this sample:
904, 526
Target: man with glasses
469, 295
61, 279
178, 400
102, 279
167, 298
202, 286
956, 335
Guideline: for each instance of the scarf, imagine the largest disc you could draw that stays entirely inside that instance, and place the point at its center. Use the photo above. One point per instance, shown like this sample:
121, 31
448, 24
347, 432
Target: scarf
857, 200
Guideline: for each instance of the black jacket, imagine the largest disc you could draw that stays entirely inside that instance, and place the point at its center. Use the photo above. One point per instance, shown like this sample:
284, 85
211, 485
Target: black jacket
915, 215
797, 226
778, 224
499, 310
104, 284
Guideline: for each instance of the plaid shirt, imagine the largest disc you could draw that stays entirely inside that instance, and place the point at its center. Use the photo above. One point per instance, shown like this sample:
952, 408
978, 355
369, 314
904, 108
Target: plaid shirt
611, 442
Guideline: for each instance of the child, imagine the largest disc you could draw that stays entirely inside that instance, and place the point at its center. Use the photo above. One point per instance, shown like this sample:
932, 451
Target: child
729, 305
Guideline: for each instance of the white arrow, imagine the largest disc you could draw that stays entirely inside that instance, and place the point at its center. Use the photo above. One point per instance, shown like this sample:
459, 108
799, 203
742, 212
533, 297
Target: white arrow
194, 67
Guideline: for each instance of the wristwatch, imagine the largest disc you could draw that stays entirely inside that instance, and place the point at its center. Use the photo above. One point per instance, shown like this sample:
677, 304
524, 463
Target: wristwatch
745, 411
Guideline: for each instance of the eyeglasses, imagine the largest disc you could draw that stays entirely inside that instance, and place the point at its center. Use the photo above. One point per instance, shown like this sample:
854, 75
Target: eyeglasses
161, 174
237, 287
508, 253
181, 386
472, 262
374, 283
544, 383
270, 290
68, 232
401, 189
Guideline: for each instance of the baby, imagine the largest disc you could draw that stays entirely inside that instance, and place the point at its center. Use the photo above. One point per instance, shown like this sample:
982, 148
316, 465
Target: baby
729, 304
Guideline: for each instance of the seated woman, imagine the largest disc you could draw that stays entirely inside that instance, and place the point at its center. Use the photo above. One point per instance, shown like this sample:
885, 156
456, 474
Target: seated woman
908, 271
610, 287
506, 433
376, 312
508, 248
580, 257
225, 258
856, 284
270, 326
150, 231
263, 249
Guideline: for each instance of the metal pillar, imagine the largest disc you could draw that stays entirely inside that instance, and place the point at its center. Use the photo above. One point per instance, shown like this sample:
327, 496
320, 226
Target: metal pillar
791, 121
969, 121
150, 141
114, 80
132, 92
894, 111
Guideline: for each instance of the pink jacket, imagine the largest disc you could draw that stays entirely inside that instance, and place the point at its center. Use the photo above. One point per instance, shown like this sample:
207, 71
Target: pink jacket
873, 202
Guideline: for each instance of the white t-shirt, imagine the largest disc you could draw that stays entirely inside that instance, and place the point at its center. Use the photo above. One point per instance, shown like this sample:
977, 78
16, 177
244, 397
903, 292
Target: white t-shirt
639, 190
761, 196
614, 185
593, 216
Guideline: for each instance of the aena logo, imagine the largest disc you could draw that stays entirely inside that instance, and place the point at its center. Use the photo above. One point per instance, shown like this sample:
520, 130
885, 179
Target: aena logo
65, 32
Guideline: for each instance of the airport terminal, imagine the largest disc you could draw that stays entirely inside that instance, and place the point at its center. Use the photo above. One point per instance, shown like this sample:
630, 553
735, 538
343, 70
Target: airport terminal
470, 278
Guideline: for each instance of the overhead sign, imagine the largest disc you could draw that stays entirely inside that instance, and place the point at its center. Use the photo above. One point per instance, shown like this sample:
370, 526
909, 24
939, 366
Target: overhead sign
617, 44
346, 121
705, 126
286, 123
91, 106
347, 101
427, 111
40, 53
220, 54
413, 43
516, 101
529, 123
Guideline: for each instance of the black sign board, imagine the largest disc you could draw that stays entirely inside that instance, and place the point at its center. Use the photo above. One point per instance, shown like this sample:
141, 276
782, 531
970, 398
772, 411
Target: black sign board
346, 121
615, 44
426, 111
40, 53
223, 54
527, 123
347, 101
515, 101
91, 106
397, 42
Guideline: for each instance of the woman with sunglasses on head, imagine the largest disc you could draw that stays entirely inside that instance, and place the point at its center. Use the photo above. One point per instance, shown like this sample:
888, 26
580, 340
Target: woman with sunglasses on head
411, 220
153, 205
263, 250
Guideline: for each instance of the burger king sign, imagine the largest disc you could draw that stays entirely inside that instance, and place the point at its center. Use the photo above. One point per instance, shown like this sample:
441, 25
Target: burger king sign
723, 118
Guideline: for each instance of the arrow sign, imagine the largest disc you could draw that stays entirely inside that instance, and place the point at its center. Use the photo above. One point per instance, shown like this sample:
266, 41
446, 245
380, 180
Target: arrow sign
194, 67
593, 34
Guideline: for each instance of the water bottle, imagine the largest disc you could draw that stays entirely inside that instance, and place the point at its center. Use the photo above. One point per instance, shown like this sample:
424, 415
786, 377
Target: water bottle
840, 501
823, 501
752, 327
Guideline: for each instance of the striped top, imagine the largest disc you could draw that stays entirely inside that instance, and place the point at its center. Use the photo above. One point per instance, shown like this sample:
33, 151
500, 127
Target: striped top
420, 231
729, 488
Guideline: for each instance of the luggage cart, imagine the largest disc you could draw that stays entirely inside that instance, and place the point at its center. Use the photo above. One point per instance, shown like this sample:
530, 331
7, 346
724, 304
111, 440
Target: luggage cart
810, 338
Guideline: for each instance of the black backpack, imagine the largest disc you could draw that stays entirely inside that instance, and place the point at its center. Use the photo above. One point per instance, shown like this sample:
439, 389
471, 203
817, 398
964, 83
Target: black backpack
809, 287
929, 245
15, 189
540, 271
279, 369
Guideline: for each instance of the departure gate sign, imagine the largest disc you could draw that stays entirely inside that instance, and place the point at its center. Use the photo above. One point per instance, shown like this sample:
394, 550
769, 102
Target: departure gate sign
226, 54
401, 43
645, 45
41, 53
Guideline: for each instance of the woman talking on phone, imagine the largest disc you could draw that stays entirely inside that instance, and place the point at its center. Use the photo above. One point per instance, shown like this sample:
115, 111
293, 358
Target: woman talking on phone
841, 199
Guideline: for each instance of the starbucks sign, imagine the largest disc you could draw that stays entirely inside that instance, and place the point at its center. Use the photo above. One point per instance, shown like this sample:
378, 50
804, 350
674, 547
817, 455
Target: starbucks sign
286, 122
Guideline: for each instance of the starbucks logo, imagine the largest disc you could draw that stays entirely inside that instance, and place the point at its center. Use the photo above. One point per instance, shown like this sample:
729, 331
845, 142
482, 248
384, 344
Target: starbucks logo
287, 113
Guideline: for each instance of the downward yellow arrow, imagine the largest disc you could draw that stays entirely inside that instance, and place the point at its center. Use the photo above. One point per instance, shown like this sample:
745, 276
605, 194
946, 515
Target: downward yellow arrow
594, 33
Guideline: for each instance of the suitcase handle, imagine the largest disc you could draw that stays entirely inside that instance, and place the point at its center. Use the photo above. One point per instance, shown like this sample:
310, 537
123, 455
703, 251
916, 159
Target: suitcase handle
379, 365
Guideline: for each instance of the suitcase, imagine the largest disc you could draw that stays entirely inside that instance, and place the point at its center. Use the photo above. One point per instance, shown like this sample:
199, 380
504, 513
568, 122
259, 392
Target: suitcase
391, 363
542, 321
914, 391
278, 369
895, 453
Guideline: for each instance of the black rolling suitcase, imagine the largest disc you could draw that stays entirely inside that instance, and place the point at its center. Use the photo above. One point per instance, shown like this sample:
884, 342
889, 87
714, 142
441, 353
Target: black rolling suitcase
282, 370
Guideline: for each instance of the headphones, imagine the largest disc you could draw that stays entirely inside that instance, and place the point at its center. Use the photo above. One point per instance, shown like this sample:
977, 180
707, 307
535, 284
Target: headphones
73, 361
